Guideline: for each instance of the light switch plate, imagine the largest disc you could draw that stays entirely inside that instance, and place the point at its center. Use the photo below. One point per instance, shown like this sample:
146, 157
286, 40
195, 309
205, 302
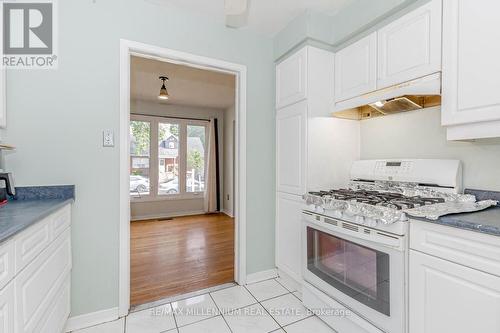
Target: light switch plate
108, 138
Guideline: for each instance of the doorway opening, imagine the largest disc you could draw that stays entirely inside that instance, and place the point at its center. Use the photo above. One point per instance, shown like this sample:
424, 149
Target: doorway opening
182, 169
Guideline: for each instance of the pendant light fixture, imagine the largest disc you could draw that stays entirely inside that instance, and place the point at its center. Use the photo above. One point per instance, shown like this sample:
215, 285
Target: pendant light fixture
163, 91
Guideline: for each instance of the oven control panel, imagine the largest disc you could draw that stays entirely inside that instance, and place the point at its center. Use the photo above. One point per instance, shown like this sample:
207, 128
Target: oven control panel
441, 173
393, 167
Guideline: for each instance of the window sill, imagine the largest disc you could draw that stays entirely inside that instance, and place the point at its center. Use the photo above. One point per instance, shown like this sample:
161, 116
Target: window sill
173, 197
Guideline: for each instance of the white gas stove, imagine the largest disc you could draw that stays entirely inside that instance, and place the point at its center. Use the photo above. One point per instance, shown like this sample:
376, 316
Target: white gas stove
380, 191
355, 240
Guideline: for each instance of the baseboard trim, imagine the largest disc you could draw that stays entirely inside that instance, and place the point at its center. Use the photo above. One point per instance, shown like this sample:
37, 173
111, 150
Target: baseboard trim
166, 216
288, 274
91, 319
262, 275
227, 212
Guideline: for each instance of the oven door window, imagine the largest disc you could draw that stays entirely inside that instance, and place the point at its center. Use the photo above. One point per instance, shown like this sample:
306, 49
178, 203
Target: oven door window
355, 270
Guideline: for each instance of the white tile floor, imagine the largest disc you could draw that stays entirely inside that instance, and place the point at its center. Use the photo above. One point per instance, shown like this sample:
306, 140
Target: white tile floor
268, 306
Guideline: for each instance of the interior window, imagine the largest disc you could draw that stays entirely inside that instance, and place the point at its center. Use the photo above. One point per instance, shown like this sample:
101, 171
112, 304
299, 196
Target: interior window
140, 138
168, 172
177, 166
195, 166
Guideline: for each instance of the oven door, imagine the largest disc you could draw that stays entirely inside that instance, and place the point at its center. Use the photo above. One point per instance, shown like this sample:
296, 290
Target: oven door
366, 276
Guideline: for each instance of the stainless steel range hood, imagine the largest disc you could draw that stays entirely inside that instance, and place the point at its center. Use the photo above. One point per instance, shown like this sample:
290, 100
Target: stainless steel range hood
408, 96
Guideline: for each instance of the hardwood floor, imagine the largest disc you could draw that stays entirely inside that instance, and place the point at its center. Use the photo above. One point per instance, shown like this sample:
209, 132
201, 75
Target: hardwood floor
185, 254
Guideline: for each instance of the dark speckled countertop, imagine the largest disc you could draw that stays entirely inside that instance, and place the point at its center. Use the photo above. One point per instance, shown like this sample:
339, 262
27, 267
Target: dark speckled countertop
32, 205
486, 221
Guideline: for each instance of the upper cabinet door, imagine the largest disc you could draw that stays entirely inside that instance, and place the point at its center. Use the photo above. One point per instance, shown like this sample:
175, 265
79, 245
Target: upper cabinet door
410, 47
471, 61
291, 136
356, 68
291, 79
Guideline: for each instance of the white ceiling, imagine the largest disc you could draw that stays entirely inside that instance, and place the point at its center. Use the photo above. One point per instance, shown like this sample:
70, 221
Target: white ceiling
267, 17
187, 85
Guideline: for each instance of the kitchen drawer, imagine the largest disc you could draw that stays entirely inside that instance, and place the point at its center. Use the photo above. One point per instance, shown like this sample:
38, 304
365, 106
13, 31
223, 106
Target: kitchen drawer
58, 312
37, 286
6, 263
31, 242
60, 221
7, 308
468, 248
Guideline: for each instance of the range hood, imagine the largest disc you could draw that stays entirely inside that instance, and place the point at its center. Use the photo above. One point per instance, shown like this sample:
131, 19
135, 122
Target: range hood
412, 95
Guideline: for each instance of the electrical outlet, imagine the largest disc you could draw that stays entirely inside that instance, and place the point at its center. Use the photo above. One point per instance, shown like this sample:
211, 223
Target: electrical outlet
108, 139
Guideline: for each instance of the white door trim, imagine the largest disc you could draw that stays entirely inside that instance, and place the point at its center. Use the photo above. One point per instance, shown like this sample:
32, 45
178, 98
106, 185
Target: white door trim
128, 48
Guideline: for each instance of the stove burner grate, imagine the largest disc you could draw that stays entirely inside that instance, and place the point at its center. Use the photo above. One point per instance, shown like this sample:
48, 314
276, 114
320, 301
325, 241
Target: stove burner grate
375, 198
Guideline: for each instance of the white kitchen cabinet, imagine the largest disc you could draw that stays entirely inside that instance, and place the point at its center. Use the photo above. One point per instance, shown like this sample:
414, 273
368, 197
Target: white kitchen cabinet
306, 74
35, 267
6, 262
291, 131
313, 149
291, 79
288, 234
30, 243
454, 280
38, 284
471, 249
470, 98
410, 47
55, 319
7, 309
356, 68
449, 297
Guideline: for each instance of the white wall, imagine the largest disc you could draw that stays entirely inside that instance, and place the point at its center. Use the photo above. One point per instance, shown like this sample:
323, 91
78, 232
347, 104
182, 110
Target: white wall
228, 178
168, 208
333, 145
418, 134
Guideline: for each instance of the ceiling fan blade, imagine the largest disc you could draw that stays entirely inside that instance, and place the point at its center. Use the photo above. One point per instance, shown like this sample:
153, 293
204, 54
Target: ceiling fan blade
236, 12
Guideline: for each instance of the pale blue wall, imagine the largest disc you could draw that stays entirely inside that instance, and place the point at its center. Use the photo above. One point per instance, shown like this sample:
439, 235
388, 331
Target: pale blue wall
56, 118
312, 26
293, 34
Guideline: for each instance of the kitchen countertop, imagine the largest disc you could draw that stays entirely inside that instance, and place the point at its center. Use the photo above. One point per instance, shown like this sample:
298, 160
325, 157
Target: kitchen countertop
486, 221
33, 205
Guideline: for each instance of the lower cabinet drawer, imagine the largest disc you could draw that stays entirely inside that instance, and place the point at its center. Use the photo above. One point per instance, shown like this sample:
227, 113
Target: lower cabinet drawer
7, 308
468, 248
31, 242
38, 284
60, 221
54, 320
6, 263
